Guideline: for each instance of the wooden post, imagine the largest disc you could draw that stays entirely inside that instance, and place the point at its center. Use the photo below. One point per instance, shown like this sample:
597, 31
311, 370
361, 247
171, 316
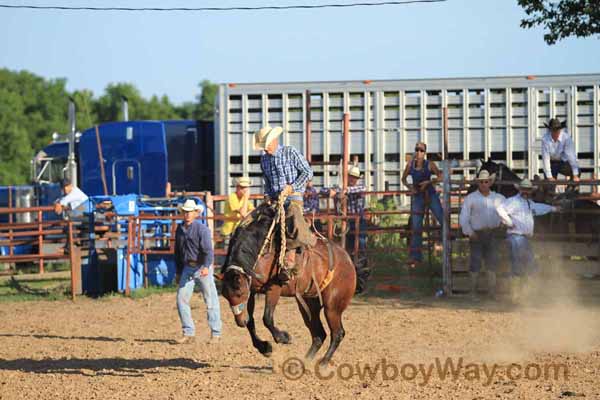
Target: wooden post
445, 150
74, 272
10, 221
308, 128
40, 240
128, 255
356, 238
446, 267
210, 215
345, 162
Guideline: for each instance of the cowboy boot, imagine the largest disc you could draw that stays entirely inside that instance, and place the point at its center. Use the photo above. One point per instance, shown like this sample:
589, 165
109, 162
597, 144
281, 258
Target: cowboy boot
474, 278
492, 285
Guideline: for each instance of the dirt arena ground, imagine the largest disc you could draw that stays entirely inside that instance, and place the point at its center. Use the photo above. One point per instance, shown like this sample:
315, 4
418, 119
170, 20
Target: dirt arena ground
117, 348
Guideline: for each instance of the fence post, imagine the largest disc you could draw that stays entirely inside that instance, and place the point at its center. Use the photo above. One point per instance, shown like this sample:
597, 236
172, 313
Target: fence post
128, 255
74, 273
446, 266
210, 204
40, 241
345, 162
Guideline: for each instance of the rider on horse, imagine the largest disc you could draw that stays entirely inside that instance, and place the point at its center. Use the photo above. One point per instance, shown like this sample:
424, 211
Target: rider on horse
286, 173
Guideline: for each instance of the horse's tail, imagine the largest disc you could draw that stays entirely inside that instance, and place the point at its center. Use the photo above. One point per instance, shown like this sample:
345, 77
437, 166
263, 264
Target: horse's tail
363, 273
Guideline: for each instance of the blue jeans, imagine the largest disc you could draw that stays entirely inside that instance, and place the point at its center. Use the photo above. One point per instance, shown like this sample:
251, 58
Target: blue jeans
418, 206
521, 255
189, 278
484, 248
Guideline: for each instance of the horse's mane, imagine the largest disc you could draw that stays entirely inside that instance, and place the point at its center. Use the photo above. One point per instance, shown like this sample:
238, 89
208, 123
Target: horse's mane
248, 238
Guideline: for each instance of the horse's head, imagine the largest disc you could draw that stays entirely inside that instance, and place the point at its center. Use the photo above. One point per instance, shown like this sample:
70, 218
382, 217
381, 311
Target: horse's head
238, 269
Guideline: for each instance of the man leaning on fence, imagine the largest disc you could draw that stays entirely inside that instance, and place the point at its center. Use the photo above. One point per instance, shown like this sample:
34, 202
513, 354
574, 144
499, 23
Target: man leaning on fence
517, 214
73, 199
237, 207
286, 171
194, 256
479, 221
355, 206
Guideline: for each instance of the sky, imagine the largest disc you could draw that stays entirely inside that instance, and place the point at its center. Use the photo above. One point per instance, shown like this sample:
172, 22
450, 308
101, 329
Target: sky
170, 53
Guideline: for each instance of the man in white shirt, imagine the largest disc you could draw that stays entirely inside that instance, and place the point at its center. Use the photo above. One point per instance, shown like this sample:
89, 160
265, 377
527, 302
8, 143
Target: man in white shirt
479, 221
517, 214
72, 199
558, 152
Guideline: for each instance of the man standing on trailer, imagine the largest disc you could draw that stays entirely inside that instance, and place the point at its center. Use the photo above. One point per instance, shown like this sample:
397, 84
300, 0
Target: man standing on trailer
194, 256
517, 214
286, 171
479, 221
558, 152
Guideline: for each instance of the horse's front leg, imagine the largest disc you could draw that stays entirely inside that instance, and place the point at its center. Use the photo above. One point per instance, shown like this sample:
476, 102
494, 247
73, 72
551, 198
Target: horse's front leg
271, 298
263, 346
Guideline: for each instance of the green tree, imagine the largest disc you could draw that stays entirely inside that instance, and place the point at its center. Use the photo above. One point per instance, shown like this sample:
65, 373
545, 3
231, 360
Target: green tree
16, 149
562, 19
32, 108
206, 101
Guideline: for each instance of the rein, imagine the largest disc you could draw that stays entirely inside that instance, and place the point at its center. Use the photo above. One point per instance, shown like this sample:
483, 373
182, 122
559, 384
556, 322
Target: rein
239, 308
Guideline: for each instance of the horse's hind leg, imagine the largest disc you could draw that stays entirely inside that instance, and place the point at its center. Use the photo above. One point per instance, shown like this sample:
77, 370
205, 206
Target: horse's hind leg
263, 346
334, 320
313, 323
271, 298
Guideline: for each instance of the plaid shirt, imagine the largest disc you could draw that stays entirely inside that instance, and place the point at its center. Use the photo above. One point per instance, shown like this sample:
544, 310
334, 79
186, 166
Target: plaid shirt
356, 198
311, 199
286, 167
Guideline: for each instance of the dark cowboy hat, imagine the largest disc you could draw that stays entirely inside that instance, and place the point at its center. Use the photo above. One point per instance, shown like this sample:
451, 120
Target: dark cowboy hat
554, 124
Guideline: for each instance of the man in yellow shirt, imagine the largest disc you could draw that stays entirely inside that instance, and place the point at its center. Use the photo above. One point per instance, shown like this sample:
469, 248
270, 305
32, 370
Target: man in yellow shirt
237, 206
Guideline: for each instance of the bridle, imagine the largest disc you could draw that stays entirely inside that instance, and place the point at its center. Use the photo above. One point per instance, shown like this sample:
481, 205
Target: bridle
239, 308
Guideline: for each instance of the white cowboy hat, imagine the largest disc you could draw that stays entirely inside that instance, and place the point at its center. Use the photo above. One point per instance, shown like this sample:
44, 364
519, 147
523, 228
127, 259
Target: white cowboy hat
265, 135
524, 184
354, 171
484, 175
190, 205
243, 181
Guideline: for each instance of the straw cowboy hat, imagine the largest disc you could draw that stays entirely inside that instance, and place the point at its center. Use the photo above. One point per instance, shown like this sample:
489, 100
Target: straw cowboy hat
354, 171
265, 135
190, 205
484, 175
243, 181
525, 184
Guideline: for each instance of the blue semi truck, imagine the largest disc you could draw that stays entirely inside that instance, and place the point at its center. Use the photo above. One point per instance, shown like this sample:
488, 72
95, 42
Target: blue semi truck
141, 162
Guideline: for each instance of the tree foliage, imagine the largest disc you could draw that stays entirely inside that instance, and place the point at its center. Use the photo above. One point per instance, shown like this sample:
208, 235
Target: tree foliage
32, 108
562, 19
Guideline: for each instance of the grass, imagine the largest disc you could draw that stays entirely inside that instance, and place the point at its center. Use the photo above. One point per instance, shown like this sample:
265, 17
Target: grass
10, 294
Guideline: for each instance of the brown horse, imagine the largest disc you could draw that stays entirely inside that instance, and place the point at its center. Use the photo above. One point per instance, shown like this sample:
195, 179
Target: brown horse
246, 273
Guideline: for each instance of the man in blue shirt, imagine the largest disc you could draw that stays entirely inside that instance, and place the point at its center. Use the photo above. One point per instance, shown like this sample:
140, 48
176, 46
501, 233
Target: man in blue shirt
286, 171
194, 257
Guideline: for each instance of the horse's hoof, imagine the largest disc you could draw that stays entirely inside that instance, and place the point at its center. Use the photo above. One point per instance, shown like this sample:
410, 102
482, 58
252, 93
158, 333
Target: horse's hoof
325, 363
266, 349
283, 338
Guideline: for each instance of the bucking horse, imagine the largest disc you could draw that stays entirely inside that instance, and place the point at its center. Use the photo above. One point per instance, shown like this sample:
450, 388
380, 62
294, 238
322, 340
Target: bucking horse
325, 279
